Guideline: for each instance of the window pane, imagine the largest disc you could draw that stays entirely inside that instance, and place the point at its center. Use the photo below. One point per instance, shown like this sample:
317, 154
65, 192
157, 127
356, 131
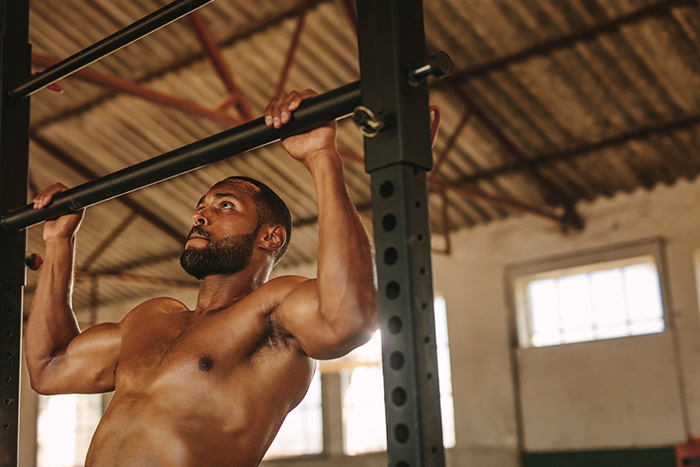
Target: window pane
544, 301
65, 425
567, 307
363, 392
644, 296
302, 430
363, 410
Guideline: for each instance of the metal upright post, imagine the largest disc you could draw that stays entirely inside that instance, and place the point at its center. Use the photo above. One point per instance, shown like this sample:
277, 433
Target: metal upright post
395, 118
15, 56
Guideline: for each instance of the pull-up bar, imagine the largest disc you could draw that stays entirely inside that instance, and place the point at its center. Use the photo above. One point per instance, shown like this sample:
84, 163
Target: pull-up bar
101, 49
312, 113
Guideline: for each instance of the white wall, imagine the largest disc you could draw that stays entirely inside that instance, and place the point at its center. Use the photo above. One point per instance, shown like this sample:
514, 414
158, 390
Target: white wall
621, 393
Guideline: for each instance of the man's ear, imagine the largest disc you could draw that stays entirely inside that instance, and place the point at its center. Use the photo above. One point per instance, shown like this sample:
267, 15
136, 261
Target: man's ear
273, 237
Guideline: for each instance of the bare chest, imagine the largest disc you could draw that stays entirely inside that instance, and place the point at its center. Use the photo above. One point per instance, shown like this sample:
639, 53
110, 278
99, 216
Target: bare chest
183, 345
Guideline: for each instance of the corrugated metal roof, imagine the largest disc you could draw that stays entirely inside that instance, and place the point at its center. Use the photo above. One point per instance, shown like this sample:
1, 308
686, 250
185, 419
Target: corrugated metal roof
551, 102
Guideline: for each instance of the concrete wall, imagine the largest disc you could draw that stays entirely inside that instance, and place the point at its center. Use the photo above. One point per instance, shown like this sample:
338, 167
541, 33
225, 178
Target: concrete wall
633, 392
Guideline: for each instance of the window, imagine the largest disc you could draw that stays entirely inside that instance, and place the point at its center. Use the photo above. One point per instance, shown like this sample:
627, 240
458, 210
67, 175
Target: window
601, 300
364, 420
302, 430
65, 426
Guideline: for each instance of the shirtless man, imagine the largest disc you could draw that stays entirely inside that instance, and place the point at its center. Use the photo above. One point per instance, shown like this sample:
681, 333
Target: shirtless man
211, 386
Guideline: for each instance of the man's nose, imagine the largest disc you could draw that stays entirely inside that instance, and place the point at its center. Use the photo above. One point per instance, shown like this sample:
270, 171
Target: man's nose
200, 218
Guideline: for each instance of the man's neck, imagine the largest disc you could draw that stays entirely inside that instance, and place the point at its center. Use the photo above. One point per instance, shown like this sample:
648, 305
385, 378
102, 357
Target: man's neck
219, 291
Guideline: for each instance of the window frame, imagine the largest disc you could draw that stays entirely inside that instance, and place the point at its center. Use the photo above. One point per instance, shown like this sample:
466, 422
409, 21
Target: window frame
516, 275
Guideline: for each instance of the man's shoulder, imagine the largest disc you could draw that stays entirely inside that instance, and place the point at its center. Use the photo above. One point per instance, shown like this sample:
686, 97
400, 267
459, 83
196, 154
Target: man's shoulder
163, 305
283, 283
274, 291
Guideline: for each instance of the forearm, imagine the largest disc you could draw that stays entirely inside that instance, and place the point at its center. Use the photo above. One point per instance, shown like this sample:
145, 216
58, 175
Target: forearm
51, 324
346, 280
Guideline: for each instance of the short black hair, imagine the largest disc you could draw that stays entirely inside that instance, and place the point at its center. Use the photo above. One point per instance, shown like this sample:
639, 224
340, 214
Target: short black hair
271, 209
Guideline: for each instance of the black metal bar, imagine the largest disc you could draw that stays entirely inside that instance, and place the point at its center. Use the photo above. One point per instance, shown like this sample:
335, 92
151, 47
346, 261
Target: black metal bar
141, 28
392, 44
15, 66
332, 105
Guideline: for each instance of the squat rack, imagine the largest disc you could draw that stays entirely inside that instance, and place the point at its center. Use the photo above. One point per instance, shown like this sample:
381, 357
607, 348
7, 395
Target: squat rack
390, 103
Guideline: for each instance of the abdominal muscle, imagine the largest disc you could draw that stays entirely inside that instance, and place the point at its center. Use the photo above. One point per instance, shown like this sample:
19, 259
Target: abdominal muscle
183, 420
142, 431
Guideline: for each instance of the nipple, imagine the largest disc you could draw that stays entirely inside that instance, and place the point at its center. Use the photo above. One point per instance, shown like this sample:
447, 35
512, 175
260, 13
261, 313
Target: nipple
205, 364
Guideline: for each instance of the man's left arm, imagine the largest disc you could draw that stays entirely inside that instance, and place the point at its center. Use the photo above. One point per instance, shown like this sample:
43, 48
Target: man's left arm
337, 311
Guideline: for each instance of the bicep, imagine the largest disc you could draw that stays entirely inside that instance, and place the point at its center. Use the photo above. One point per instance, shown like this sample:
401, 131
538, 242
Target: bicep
322, 335
87, 364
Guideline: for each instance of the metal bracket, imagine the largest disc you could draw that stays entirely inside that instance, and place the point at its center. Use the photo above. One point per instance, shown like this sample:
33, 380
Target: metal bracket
369, 124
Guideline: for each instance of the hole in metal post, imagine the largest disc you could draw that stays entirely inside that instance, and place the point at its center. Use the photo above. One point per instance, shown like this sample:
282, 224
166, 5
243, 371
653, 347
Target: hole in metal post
396, 360
391, 255
395, 325
392, 290
398, 397
401, 433
389, 222
386, 189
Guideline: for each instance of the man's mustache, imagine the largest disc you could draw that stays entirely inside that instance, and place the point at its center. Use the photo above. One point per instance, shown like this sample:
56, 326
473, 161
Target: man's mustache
199, 231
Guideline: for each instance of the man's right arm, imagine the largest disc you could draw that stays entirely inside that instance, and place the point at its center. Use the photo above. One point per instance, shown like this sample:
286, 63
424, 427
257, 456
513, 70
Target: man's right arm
60, 358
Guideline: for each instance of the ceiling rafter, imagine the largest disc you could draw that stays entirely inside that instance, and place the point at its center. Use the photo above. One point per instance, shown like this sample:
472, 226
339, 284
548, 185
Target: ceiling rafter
79, 167
108, 241
293, 45
213, 52
184, 61
587, 148
566, 40
558, 197
438, 183
123, 86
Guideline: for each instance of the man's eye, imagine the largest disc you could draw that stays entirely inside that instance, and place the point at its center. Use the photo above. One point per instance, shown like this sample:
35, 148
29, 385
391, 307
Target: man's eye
226, 205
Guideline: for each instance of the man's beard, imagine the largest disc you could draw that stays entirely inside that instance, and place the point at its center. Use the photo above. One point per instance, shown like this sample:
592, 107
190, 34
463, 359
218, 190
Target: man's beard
227, 256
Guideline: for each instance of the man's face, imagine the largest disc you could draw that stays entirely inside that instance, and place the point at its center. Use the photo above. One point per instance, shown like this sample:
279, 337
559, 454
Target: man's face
215, 244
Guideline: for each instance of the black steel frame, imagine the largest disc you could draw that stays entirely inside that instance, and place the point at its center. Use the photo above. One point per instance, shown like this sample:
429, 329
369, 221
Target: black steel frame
15, 54
392, 44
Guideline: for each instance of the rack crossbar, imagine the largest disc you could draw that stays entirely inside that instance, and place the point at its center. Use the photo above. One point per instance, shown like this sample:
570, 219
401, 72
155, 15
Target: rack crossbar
141, 28
333, 105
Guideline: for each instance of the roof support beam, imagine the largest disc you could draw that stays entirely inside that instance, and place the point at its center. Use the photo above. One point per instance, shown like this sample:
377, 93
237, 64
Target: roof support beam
127, 87
524, 163
293, 45
566, 40
107, 242
138, 209
452, 140
211, 49
439, 184
623, 138
135, 31
336, 104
